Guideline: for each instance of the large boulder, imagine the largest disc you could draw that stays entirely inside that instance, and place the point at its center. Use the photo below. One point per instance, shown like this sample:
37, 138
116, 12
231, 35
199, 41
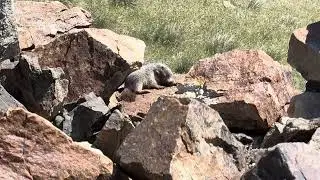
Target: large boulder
180, 138
9, 45
94, 60
251, 88
32, 148
305, 105
304, 51
42, 91
287, 161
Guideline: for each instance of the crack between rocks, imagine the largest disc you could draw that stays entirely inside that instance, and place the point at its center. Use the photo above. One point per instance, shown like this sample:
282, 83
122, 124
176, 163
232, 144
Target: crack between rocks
186, 139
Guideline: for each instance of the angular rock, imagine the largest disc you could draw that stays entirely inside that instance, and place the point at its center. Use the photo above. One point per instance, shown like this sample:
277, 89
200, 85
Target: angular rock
305, 105
60, 38
252, 88
9, 45
7, 101
42, 91
293, 130
304, 51
40, 22
80, 55
32, 148
287, 161
179, 139
117, 127
315, 139
85, 120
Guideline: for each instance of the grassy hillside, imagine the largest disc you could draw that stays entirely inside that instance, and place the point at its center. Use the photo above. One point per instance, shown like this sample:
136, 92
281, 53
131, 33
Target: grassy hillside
179, 32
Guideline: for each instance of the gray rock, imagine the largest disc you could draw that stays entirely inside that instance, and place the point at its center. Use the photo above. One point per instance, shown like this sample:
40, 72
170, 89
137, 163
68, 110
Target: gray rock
7, 101
42, 91
294, 130
305, 105
303, 53
180, 139
84, 121
9, 45
117, 127
315, 139
287, 161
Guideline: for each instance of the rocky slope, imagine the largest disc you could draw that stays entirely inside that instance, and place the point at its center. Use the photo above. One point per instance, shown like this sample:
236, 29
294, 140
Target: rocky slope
235, 115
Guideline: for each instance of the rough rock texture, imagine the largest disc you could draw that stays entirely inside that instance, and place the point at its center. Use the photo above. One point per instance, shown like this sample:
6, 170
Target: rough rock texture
32, 148
117, 127
315, 139
304, 51
180, 139
305, 105
40, 22
7, 101
139, 108
287, 161
86, 119
291, 130
9, 45
253, 88
59, 39
42, 91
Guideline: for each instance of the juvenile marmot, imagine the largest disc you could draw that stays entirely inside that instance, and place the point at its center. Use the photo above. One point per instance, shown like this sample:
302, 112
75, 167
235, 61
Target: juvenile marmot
149, 76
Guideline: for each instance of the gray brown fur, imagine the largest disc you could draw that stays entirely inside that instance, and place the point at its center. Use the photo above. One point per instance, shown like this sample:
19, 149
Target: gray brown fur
150, 76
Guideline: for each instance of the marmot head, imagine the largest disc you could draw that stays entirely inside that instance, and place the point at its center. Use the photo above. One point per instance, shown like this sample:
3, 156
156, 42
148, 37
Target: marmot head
164, 74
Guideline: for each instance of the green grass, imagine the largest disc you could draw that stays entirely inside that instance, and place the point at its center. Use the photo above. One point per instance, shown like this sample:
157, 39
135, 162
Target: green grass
180, 32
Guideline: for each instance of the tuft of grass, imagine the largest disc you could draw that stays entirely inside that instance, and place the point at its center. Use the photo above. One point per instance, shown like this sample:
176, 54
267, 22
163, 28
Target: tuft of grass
180, 32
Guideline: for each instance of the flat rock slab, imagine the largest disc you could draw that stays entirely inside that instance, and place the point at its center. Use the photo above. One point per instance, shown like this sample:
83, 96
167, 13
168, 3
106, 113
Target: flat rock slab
40, 22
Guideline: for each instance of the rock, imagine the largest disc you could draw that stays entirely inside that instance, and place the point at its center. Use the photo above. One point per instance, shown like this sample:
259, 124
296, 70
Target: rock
32, 148
179, 139
60, 38
287, 161
139, 108
252, 88
243, 138
42, 91
293, 130
315, 139
40, 22
305, 105
9, 45
88, 118
273, 136
7, 101
117, 127
303, 53
80, 55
